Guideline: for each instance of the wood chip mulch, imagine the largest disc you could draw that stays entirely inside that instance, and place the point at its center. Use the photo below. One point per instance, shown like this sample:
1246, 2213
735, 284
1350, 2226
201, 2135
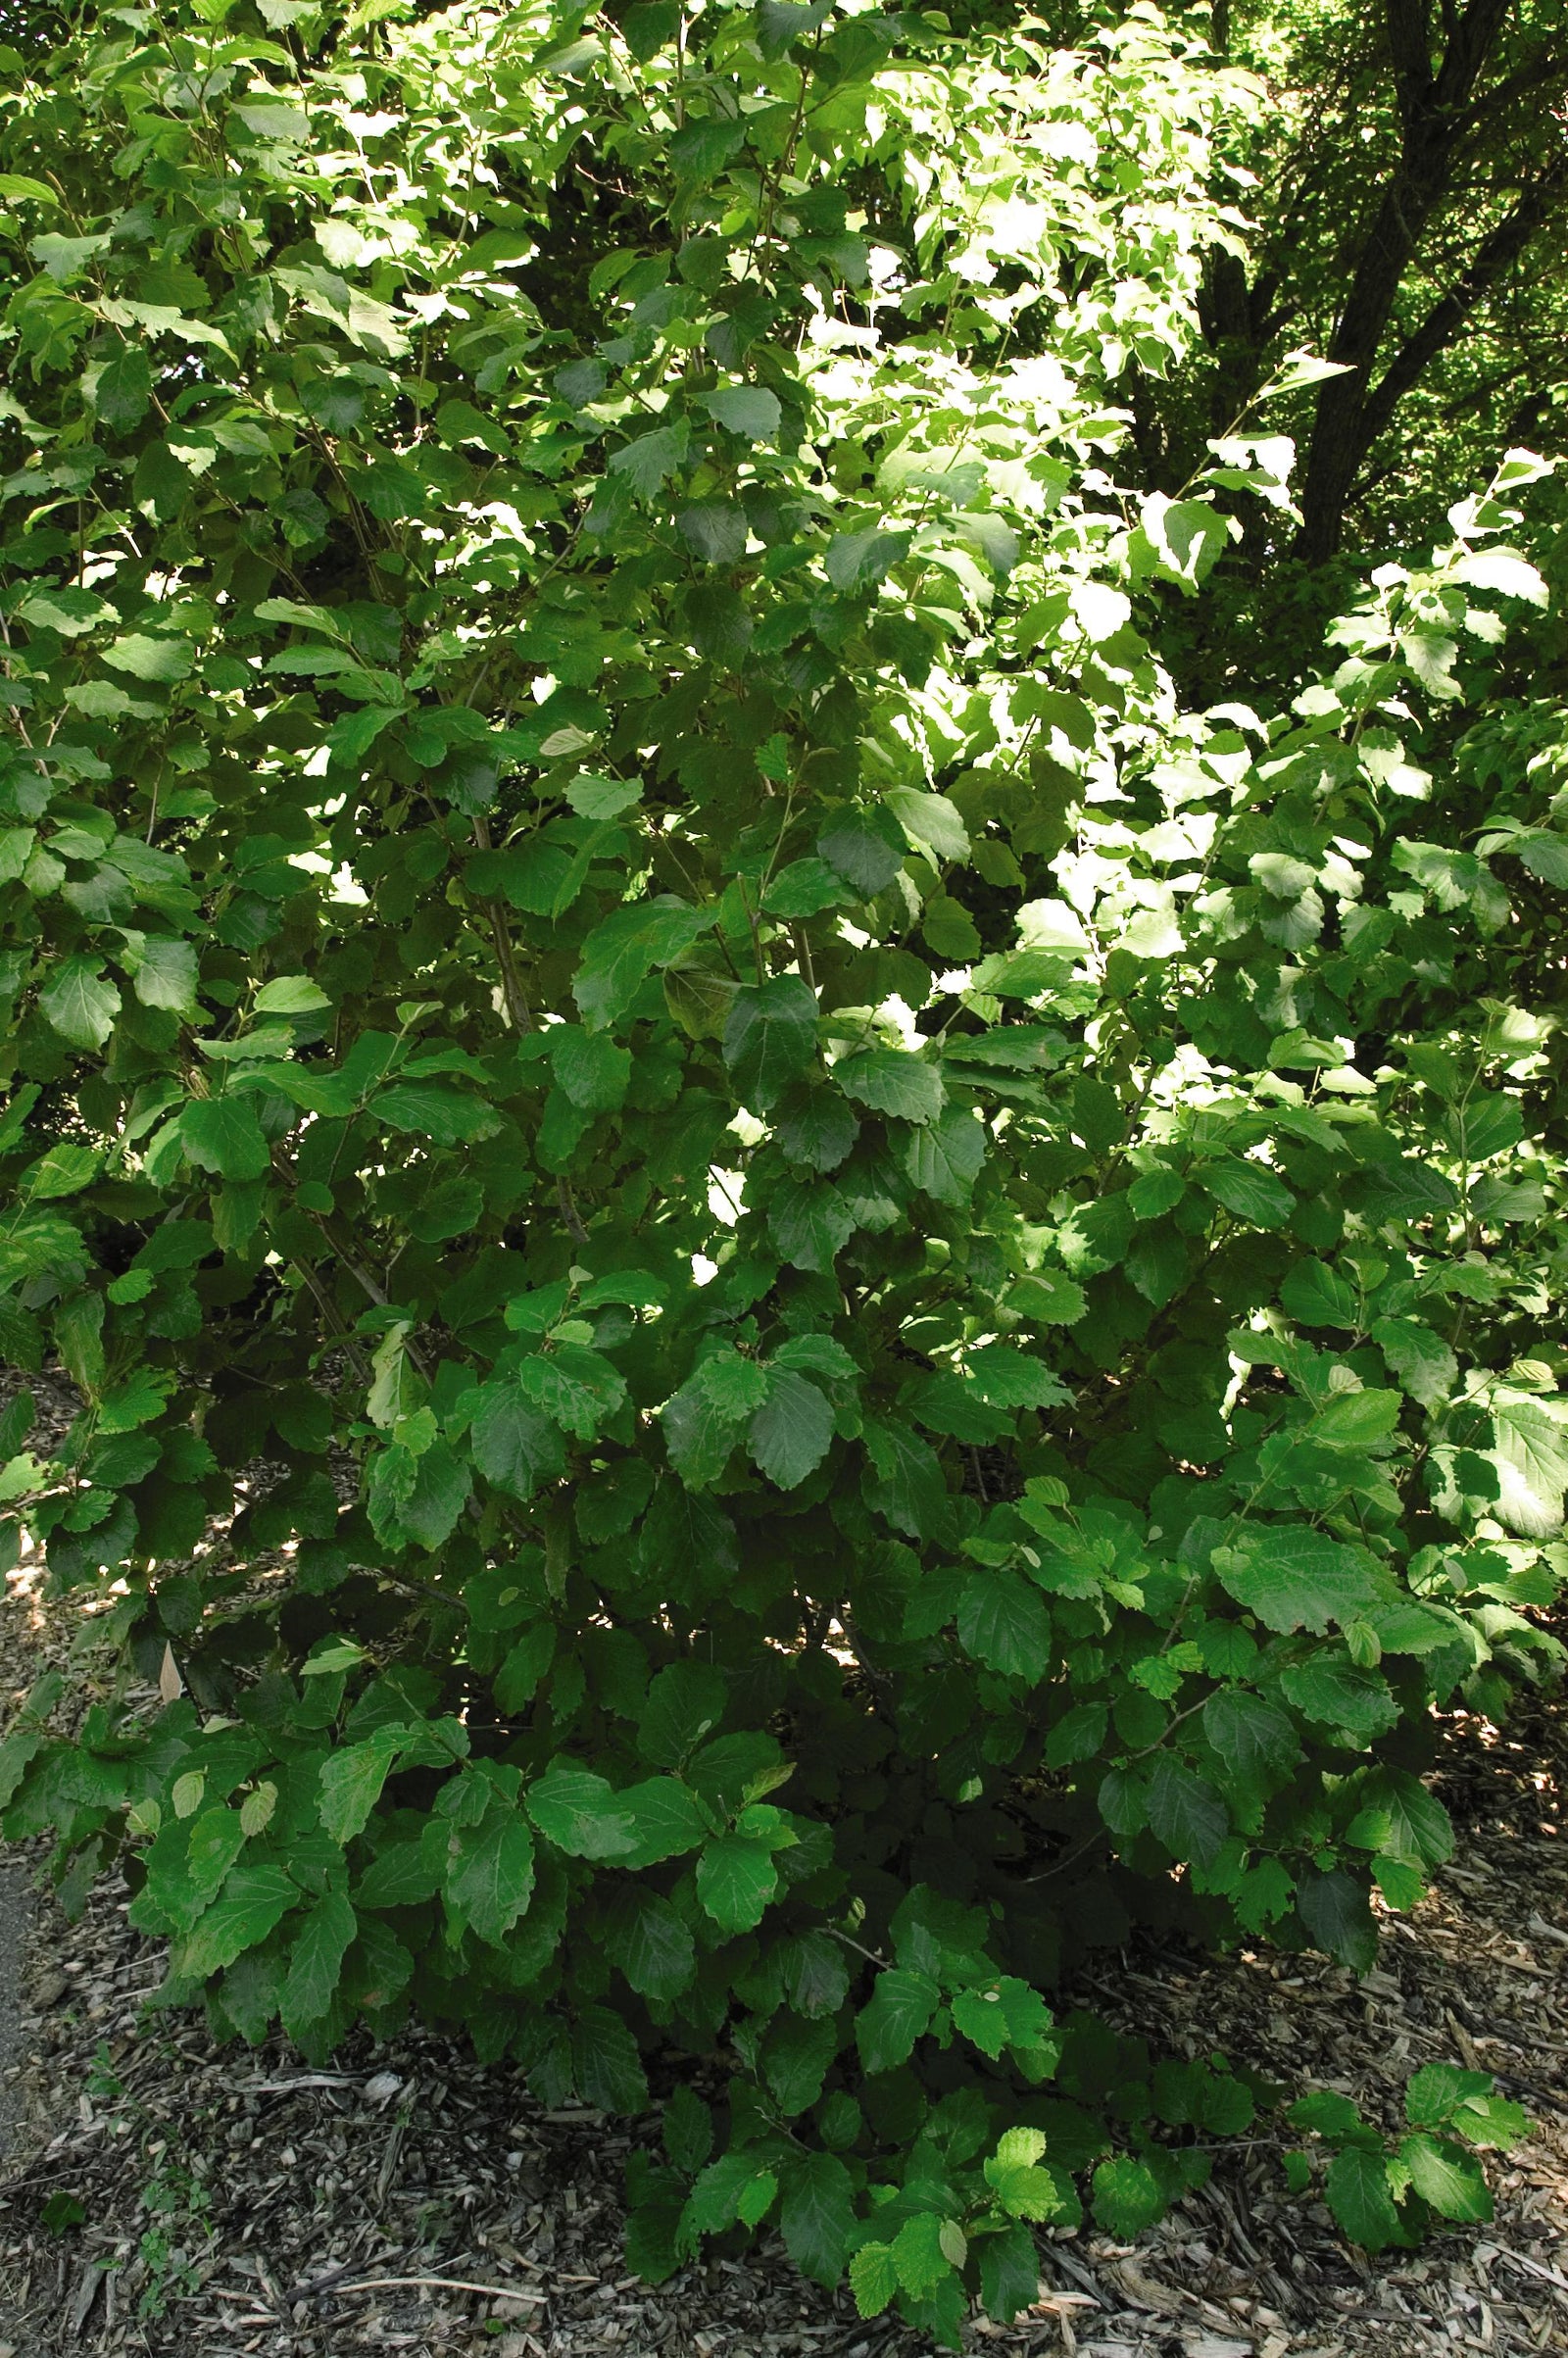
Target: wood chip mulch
161, 2195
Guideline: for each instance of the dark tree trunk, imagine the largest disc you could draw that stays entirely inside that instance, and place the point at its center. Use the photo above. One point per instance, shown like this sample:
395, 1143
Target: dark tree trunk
1436, 118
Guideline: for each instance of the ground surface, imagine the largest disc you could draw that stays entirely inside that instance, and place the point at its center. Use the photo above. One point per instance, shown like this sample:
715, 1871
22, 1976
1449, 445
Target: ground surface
164, 2196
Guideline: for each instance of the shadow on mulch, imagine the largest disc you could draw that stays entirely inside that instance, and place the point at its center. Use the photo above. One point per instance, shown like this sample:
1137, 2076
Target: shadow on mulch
169, 2197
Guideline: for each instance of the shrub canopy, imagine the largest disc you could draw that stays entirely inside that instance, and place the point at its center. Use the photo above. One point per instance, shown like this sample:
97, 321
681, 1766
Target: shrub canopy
867, 1300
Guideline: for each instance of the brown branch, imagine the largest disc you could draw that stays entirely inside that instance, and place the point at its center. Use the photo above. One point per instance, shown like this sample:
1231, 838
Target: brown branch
1410, 32
334, 1320
520, 1016
1497, 251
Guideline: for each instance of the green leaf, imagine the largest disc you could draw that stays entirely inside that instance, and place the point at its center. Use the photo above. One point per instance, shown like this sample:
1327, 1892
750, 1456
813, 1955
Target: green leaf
1444, 2175
1356, 2189
70, 611
574, 1384
1356, 1420
78, 1004
221, 1135
1002, 1622
652, 457
892, 1081
606, 2064
124, 392
601, 800
810, 1224
1021, 2187
1012, 1379
932, 820
650, 27
1296, 1578
919, 2256
873, 2272
489, 1876
782, 22
580, 1812
746, 409
592, 1070
1488, 1122
816, 2214
449, 1118
162, 660
688, 2130
418, 1499
818, 1355
1331, 1688
252, 1901
63, 1171
1251, 1192
653, 1946
1400, 1818
1327, 2113
316, 1961
771, 1038
1530, 1453
624, 948
352, 1779
1256, 1742
1405, 1190
803, 889
735, 1881
1338, 1914
1002, 2014
517, 1680
1077, 1735
815, 1973
1186, 1812
866, 846
815, 1126
1319, 1297
666, 1820
514, 1445
714, 2200
908, 1489
1047, 1298
796, 2059
1127, 2197
685, 1702
899, 2012
1546, 855
946, 1156
291, 995
1009, 2273
1491, 2120
164, 971
1423, 1363
17, 184
791, 1434
859, 559
1435, 2093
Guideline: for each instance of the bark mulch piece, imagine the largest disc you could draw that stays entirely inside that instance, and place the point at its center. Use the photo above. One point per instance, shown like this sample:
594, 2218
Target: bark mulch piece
161, 2195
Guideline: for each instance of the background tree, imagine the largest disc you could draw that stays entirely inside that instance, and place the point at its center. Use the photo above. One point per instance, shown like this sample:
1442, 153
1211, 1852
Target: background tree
1409, 189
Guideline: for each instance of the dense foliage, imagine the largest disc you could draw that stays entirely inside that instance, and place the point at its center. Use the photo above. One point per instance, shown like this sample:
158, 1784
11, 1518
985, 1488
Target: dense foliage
868, 1298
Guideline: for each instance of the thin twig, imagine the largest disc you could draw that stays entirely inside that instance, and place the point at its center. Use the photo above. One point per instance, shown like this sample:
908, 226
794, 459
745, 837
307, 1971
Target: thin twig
520, 1016
440, 2283
329, 1310
849, 1941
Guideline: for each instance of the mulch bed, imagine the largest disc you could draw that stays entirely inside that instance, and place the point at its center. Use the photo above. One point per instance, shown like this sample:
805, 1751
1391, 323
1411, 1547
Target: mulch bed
162, 2195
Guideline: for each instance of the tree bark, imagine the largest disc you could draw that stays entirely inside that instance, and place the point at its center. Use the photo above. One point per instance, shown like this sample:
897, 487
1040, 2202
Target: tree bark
1497, 252
1436, 119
